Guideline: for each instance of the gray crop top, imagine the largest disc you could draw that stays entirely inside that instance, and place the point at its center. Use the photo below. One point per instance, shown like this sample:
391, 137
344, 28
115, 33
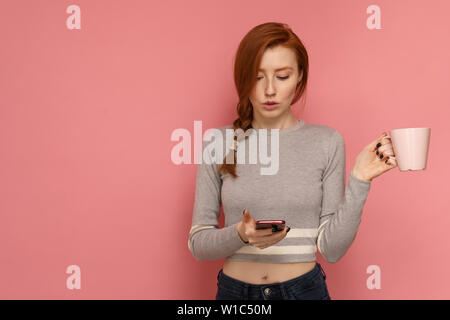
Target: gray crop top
308, 192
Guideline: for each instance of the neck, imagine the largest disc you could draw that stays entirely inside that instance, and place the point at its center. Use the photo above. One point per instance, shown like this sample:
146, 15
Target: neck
275, 123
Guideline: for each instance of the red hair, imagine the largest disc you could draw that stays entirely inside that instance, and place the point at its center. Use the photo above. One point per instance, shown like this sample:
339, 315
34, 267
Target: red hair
247, 60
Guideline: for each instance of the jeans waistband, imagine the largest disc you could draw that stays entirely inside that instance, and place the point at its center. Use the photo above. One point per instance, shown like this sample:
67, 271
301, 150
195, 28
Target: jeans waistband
241, 284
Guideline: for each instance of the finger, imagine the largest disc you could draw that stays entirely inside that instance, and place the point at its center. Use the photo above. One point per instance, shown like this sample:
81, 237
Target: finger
267, 235
387, 152
385, 155
282, 233
245, 217
259, 244
386, 139
386, 164
263, 232
391, 162
384, 147
373, 145
248, 218
277, 236
385, 144
257, 234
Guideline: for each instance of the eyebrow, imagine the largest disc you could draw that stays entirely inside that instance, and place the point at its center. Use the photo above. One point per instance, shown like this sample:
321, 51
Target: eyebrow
282, 68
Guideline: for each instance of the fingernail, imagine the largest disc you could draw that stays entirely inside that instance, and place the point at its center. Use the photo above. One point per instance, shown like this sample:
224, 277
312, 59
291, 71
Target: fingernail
379, 144
378, 152
243, 211
381, 156
289, 228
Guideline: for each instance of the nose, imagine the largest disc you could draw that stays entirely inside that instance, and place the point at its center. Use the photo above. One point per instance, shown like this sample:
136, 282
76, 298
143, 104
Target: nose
270, 90
270, 87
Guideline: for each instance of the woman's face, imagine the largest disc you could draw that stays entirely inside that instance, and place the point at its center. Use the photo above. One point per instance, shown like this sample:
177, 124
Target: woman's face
274, 83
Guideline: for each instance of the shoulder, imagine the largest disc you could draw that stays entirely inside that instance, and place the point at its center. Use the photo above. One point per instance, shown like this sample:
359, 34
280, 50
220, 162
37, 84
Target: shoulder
322, 130
325, 138
326, 133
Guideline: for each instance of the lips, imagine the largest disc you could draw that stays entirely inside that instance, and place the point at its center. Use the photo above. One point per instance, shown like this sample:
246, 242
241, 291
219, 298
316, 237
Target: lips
271, 106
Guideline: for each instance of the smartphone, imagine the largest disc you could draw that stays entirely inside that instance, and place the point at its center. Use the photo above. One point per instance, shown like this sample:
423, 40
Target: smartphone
276, 225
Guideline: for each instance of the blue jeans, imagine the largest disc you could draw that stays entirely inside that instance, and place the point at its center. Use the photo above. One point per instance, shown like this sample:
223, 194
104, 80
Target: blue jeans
308, 286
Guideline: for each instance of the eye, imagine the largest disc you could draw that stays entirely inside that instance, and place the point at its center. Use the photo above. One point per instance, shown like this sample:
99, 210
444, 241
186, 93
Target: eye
281, 78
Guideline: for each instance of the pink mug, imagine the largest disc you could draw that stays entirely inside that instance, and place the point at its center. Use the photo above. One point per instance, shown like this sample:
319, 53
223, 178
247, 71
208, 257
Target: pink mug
411, 147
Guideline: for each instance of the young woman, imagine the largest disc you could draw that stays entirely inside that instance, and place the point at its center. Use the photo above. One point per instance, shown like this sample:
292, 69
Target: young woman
307, 190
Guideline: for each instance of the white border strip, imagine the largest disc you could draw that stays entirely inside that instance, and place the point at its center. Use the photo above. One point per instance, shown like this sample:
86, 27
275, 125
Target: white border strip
199, 227
302, 233
195, 229
320, 236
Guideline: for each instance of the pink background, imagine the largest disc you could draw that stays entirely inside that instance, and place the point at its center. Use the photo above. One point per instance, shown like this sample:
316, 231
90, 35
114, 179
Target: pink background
86, 116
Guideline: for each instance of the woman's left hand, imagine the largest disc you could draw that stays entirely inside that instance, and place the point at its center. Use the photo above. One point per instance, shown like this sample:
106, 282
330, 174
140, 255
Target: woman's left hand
375, 159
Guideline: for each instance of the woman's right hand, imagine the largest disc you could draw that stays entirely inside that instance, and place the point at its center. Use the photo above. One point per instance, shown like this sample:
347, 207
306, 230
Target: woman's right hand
261, 238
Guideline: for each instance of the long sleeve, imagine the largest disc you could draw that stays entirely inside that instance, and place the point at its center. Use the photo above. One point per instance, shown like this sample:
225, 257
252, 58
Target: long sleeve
207, 241
341, 207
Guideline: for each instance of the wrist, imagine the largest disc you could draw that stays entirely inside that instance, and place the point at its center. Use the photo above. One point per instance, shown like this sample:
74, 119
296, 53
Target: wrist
360, 175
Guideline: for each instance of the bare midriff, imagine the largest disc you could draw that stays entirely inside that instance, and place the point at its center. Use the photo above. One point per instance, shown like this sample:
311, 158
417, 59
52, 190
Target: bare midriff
265, 273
